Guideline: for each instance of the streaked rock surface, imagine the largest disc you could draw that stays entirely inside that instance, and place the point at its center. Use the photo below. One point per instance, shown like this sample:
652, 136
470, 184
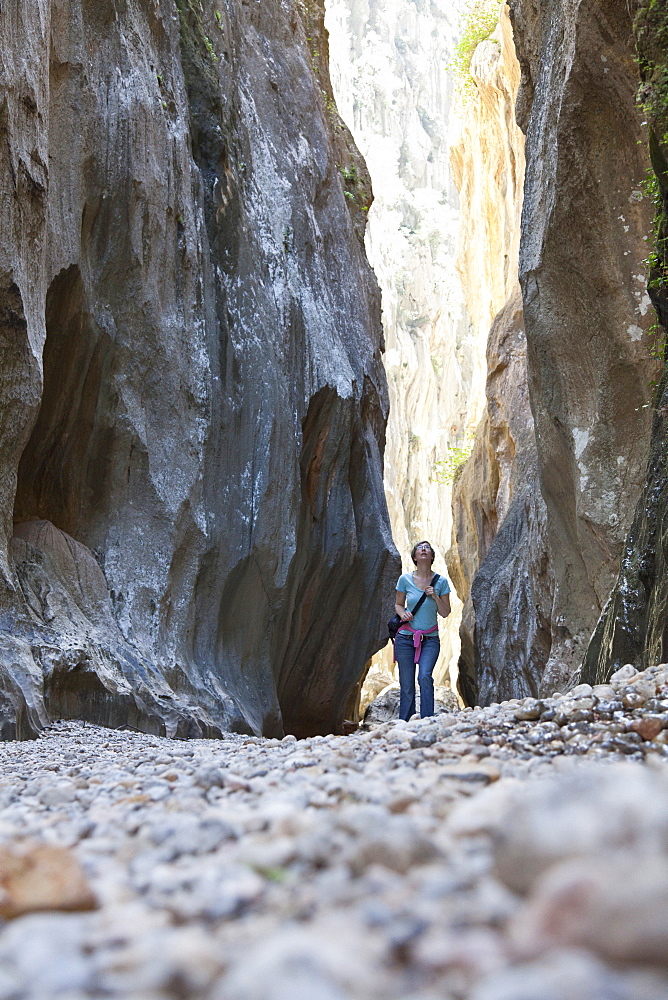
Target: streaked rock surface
585, 228
633, 624
193, 399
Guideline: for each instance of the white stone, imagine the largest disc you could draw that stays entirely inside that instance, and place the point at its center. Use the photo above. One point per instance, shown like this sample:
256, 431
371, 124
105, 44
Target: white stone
623, 675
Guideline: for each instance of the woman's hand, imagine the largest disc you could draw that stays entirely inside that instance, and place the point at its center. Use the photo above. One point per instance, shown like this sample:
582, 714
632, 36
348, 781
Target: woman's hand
430, 592
406, 616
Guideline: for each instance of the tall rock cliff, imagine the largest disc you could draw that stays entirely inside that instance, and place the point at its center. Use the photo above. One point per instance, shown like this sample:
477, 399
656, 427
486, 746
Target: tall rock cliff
634, 625
194, 535
585, 225
394, 86
542, 506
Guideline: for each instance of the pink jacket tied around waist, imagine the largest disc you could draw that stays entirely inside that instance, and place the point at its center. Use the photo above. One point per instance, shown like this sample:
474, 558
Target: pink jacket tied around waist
417, 638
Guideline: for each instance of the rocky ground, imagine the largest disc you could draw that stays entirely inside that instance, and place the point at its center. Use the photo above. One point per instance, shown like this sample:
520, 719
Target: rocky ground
516, 852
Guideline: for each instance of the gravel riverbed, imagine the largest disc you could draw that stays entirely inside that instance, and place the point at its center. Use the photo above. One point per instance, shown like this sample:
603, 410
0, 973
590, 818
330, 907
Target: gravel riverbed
516, 852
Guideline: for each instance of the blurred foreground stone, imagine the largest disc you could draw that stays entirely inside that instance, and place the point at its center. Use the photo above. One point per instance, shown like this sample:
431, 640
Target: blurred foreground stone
37, 877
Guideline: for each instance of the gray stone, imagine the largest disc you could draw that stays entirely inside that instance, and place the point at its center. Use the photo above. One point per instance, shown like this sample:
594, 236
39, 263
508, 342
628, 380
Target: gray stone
623, 675
529, 710
59, 793
210, 777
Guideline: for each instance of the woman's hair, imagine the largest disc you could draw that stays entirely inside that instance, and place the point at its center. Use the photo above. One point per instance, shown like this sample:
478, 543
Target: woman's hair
416, 546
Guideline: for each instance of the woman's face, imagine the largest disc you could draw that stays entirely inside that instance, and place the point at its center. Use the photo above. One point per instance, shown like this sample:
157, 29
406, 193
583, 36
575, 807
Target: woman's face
424, 551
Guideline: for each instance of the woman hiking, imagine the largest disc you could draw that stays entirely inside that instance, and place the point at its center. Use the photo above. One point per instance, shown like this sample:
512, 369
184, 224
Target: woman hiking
417, 642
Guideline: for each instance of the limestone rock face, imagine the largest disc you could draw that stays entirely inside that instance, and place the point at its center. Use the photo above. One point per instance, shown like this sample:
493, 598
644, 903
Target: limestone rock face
498, 559
193, 400
487, 157
585, 224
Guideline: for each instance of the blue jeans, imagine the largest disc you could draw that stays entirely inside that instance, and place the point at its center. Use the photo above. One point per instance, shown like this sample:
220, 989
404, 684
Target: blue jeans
405, 651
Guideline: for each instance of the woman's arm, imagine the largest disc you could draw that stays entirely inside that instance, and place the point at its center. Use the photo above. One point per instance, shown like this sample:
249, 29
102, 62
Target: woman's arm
443, 604
400, 606
442, 601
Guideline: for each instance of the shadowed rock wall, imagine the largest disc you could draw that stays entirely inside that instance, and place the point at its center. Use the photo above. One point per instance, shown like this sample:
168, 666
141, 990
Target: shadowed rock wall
584, 228
634, 625
193, 404
542, 507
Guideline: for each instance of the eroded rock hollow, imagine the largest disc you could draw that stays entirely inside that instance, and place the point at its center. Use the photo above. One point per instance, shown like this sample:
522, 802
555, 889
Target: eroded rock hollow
194, 535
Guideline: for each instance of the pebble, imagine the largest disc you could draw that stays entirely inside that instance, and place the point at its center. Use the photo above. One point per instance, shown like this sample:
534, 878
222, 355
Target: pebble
648, 728
623, 675
529, 710
512, 852
569, 974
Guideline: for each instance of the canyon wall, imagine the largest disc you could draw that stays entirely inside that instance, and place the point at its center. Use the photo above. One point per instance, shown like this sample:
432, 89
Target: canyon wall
194, 535
390, 64
497, 560
585, 225
633, 627
542, 507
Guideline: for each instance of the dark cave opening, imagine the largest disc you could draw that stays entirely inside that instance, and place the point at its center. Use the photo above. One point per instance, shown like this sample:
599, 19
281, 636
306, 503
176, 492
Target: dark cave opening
61, 475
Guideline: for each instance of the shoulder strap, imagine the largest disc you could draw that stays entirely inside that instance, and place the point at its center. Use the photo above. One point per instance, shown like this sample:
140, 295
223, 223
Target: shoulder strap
421, 601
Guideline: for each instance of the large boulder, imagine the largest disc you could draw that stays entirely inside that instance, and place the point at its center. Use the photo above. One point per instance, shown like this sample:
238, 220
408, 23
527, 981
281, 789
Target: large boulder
385, 706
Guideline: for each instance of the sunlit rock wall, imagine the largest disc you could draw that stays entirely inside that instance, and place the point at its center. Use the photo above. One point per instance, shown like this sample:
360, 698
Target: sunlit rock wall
194, 535
585, 227
488, 162
488, 166
389, 65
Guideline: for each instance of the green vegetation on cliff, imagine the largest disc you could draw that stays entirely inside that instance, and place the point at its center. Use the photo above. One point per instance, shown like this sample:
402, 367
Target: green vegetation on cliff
477, 24
651, 27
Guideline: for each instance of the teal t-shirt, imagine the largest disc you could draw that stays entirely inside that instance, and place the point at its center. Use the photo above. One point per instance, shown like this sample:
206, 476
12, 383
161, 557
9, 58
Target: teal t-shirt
426, 616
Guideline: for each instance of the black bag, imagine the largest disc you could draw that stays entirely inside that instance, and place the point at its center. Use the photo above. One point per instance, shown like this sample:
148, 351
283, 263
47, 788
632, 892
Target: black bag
395, 621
